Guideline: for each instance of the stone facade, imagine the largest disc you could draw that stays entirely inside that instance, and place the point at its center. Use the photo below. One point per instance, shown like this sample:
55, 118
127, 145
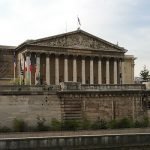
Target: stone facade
71, 102
74, 56
104, 103
28, 108
78, 58
6, 64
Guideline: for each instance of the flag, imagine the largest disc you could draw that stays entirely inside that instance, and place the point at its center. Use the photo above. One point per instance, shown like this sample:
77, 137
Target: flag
34, 68
30, 65
21, 70
31, 68
14, 61
14, 66
79, 21
25, 66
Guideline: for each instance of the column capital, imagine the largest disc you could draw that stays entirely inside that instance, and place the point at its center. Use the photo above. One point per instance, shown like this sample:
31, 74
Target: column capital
92, 57
27, 53
107, 58
121, 59
83, 57
66, 56
47, 54
115, 58
38, 54
100, 57
57, 55
75, 56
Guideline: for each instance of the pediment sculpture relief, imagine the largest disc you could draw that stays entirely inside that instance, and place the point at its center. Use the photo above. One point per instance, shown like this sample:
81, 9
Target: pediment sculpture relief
77, 40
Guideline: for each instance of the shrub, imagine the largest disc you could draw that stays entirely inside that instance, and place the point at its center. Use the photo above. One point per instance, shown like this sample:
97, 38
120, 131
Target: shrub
145, 122
112, 124
71, 125
137, 124
142, 124
19, 125
55, 125
85, 124
5, 129
41, 124
99, 124
124, 123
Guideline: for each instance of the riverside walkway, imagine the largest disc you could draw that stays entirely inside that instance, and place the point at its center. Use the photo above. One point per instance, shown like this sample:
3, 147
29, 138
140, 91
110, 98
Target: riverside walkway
126, 139
18, 135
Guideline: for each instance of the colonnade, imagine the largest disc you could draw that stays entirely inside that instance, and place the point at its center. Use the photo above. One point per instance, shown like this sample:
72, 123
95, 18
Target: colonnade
116, 72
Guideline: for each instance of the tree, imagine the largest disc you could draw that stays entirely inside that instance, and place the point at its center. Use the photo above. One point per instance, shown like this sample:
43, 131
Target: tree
144, 73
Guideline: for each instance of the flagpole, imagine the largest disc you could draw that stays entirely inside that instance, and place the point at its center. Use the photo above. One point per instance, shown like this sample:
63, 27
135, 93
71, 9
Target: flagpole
20, 70
14, 73
14, 67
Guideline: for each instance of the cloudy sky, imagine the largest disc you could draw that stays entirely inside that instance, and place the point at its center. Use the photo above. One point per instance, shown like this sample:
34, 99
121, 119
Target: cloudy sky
124, 21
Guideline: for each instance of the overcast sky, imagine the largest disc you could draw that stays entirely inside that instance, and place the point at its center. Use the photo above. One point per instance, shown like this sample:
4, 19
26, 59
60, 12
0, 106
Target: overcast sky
124, 21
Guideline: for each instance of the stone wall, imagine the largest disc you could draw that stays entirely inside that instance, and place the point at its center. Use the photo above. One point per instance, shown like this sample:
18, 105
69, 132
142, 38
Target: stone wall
129, 69
72, 101
6, 66
132, 141
102, 105
28, 107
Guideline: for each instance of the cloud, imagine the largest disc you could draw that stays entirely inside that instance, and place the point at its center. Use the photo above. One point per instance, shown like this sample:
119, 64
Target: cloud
125, 21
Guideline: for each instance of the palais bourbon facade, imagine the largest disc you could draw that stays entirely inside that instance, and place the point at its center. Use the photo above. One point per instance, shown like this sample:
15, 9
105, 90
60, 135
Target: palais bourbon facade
74, 56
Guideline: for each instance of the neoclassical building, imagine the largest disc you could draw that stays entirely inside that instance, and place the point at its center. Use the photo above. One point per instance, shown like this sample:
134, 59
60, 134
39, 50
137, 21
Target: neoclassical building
74, 56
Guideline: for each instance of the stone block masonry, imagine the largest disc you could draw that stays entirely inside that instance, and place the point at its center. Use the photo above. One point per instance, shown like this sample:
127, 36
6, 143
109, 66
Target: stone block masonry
71, 102
134, 141
28, 107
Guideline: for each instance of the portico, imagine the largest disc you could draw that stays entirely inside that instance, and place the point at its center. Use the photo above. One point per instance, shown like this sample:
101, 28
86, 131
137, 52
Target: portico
75, 56
55, 68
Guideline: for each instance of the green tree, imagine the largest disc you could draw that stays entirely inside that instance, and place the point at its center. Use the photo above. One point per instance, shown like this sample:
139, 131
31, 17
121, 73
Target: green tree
144, 73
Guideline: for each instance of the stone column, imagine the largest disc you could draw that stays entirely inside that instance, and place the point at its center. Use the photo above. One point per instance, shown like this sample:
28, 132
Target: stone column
122, 71
47, 69
74, 69
115, 71
37, 74
91, 71
56, 70
132, 70
83, 70
66, 69
107, 72
99, 71
28, 73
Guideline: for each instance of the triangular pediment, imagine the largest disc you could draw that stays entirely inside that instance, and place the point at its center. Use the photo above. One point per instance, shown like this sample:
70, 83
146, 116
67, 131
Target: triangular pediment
78, 39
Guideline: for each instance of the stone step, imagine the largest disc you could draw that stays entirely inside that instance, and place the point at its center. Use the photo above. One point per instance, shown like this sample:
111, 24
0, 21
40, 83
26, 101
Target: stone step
72, 109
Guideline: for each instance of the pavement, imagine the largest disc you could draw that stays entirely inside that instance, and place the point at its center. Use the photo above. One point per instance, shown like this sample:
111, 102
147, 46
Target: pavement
49, 134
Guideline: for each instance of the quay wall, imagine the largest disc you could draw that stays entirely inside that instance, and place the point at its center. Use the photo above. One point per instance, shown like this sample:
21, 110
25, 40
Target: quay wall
28, 108
84, 142
71, 102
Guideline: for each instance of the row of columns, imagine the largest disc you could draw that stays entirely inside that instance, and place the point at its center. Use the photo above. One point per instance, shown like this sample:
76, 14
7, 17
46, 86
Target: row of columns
37, 74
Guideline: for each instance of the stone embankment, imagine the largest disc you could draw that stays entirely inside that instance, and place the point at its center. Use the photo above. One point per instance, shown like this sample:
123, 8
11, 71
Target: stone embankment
134, 139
